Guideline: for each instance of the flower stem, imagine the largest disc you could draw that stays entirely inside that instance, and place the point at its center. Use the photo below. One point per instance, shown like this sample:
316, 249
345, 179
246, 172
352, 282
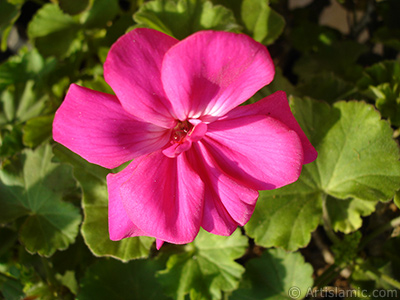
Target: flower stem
378, 231
50, 278
327, 222
376, 273
325, 278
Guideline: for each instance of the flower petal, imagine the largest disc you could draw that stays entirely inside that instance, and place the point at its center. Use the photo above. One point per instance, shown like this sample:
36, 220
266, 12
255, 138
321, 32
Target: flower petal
258, 151
177, 148
209, 73
95, 126
132, 69
162, 196
277, 106
159, 244
227, 202
216, 218
120, 226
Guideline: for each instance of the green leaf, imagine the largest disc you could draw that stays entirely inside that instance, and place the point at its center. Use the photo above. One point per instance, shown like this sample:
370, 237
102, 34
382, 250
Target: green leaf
21, 68
110, 279
53, 31
234, 6
388, 101
345, 216
275, 275
357, 159
7, 237
37, 130
52, 228
381, 83
73, 7
339, 58
25, 81
346, 250
50, 19
389, 37
206, 267
21, 102
307, 37
16, 2
118, 27
8, 15
101, 12
94, 229
11, 142
379, 271
36, 193
41, 290
327, 87
263, 23
180, 18
287, 216
11, 289
383, 72
72, 258
357, 156
68, 280
391, 254
98, 84
397, 199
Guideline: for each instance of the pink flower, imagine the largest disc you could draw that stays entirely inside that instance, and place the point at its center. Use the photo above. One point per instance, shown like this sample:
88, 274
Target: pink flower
199, 159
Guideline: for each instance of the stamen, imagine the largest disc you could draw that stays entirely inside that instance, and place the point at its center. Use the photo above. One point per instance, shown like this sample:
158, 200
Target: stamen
180, 131
183, 135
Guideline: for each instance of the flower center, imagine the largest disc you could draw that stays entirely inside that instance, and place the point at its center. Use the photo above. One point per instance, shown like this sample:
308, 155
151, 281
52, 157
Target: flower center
181, 130
183, 135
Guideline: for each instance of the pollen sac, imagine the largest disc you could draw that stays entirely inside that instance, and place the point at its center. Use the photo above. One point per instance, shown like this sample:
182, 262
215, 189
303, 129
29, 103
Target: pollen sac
181, 131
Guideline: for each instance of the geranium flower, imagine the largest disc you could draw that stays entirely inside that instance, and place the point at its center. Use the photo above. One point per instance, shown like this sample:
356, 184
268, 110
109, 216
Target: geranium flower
199, 159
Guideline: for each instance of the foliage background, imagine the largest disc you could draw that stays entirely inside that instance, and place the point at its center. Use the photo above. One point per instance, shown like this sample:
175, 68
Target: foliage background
337, 226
